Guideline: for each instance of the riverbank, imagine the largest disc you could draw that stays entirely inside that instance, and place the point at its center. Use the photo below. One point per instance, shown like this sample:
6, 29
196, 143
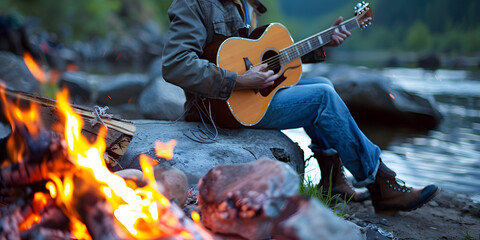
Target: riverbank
450, 215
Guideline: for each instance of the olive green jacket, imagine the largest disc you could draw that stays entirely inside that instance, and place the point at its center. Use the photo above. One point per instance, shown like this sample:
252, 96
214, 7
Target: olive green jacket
194, 25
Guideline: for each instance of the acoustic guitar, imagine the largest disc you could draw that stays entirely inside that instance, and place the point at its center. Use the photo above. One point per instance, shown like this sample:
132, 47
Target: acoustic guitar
273, 45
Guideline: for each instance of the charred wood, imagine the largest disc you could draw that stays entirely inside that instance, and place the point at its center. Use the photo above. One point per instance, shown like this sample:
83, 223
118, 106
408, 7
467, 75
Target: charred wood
46, 234
91, 207
120, 132
24, 174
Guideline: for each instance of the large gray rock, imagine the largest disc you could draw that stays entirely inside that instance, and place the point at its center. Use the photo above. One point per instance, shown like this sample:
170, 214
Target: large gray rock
162, 101
121, 89
79, 88
372, 99
195, 159
15, 74
244, 199
309, 219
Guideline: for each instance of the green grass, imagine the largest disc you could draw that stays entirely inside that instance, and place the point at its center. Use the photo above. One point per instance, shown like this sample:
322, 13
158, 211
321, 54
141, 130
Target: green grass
49, 90
309, 189
468, 237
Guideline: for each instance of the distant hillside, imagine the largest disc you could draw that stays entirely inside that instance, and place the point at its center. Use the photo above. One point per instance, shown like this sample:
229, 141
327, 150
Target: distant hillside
411, 25
308, 9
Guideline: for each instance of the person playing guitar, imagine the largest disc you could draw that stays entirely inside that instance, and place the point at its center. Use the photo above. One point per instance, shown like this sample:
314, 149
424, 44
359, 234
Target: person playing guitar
237, 75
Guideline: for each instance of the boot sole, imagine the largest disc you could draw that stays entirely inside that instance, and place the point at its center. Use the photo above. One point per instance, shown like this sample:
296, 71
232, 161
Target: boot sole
392, 210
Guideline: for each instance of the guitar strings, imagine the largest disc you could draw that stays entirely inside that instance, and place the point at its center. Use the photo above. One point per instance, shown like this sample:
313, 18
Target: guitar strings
297, 49
300, 48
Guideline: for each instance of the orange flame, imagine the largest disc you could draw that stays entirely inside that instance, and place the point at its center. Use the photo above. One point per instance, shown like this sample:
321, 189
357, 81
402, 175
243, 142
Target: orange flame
391, 96
39, 202
36, 71
28, 117
143, 212
165, 150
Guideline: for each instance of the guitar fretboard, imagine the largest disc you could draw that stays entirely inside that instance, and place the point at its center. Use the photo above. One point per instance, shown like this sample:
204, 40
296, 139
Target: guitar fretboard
300, 49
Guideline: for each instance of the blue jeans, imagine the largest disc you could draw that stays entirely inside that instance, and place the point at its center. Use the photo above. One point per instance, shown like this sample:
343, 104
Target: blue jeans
314, 105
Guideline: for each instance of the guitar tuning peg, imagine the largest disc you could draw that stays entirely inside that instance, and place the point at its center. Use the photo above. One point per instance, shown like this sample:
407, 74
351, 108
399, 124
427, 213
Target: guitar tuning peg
359, 5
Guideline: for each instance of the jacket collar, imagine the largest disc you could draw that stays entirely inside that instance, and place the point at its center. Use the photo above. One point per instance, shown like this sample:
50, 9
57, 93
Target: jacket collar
256, 4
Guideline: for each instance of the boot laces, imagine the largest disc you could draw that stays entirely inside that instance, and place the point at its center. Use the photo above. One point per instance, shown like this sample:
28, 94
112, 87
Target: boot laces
396, 185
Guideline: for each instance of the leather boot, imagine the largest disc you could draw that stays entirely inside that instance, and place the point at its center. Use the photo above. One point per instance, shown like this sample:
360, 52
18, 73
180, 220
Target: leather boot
331, 164
389, 197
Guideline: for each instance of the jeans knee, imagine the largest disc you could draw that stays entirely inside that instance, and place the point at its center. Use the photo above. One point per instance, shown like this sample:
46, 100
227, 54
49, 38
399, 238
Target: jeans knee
316, 80
325, 91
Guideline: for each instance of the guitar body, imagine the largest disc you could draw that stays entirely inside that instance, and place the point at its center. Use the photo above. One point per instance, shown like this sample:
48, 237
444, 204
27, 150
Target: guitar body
273, 45
249, 106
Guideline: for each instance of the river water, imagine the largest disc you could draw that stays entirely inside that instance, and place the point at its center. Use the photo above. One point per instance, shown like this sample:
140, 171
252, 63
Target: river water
449, 155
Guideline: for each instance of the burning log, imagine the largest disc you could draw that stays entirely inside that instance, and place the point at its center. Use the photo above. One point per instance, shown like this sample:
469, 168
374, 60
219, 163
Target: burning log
120, 132
24, 174
27, 169
46, 234
22, 214
92, 208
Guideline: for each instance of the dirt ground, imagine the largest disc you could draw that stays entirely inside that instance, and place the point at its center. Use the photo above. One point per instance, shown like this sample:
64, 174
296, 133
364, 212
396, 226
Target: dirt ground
448, 216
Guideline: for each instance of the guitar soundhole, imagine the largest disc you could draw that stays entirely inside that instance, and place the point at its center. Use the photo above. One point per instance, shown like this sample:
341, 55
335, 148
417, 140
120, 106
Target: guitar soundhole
271, 57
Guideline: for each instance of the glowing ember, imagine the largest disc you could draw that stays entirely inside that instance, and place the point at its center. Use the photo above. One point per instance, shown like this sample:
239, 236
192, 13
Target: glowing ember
165, 150
40, 200
72, 68
195, 216
391, 96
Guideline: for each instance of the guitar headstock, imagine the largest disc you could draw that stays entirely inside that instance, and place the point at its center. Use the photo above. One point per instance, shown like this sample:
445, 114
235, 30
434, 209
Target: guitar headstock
364, 15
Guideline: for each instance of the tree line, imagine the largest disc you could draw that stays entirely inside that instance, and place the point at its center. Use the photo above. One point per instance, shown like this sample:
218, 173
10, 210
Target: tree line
451, 27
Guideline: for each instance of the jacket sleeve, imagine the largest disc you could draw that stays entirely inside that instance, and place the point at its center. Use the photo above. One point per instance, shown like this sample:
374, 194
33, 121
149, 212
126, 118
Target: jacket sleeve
185, 41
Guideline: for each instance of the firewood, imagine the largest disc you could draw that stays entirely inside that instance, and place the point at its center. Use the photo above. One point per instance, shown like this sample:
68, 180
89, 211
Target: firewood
11, 217
46, 234
24, 174
120, 132
91, 207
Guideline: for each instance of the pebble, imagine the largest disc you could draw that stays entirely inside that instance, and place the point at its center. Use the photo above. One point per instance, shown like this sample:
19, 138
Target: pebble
433, 204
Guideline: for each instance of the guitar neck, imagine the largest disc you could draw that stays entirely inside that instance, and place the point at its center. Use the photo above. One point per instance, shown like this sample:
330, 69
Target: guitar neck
316, 41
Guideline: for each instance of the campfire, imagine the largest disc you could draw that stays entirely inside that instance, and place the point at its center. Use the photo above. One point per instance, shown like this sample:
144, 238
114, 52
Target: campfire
55, 183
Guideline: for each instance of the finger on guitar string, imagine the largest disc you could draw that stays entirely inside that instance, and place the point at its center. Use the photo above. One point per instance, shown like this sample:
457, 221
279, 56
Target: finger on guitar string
340, 35
271, 79
346, 32
338, 21
261, 67
336, 40
255, 78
